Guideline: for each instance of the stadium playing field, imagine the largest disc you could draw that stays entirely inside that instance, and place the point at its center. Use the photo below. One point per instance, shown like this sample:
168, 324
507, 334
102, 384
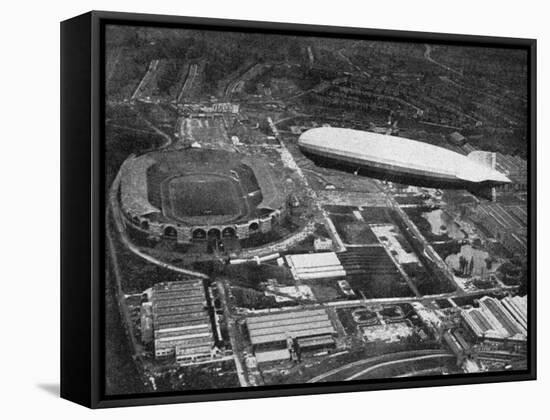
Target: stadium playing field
193, 196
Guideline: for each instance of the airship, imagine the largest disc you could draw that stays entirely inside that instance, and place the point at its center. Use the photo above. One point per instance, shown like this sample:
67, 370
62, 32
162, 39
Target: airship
400, 159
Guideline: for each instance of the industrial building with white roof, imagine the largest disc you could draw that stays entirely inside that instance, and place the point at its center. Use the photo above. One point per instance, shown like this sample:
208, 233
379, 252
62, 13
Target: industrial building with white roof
498, 319
177, 320
269, 334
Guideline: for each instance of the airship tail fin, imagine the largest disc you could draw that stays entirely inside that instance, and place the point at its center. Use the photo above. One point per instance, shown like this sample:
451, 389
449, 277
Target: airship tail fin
488, 159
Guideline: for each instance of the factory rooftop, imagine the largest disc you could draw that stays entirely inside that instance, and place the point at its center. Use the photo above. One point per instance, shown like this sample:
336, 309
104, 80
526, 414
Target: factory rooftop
272, 196
508, 224
514, 166
278, 327
315, 266
502, 216
181, 321
502, 319
133, 187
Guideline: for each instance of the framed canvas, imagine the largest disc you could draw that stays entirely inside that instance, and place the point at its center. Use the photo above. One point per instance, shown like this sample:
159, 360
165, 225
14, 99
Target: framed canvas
255, 209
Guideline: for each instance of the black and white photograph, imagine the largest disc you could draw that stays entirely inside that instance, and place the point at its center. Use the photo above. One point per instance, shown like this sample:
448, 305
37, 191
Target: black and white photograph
285, 209
230, 210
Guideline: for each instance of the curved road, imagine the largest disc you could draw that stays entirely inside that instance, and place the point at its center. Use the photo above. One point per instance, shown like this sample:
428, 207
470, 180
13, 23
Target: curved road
382, 360
395, 362
113, 202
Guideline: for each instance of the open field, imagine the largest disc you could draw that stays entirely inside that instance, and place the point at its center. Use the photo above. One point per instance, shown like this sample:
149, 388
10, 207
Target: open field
218, 375
373, 273
203, 186
204, 195
353, 231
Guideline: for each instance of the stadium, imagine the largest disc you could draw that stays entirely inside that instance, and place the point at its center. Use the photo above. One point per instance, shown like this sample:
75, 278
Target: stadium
400, 159
199, 195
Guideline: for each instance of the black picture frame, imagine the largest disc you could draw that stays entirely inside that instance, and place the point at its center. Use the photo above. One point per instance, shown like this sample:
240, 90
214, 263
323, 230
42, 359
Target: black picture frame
83, 208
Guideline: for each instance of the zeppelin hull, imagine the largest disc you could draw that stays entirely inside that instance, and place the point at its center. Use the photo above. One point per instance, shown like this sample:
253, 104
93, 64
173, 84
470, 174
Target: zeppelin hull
399, 159
391, 173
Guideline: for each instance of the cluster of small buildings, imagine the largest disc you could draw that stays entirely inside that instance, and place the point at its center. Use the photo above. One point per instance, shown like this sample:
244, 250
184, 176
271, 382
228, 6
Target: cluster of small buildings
202, 109
504, 319
289, 293
507, 224
176, 320
496, 325
457, 139
457, 343
387, 332
515, 168
284, 335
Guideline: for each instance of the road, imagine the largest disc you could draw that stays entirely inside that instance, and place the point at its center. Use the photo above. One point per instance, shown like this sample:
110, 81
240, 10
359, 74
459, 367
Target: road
123, 310
166, 137
355, 66
189, 80
153, 66
232, 330
427, 56
112, 62
113, 202
124, 239
429, 252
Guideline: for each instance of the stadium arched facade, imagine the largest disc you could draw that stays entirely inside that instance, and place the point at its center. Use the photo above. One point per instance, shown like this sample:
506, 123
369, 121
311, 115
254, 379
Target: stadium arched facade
199, 195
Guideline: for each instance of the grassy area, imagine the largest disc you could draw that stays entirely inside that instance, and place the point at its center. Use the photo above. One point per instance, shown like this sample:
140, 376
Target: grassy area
248, 275
254, 299
372, 272
220, 375
376, 215
121, 374
353, 231
314, 366
415, 214
325, 290
409, 199
447, 248
427, 284
138, 274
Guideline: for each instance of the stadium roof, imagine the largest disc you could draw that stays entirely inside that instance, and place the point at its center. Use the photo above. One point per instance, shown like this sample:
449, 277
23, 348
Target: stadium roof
398, 152
272, 197
133, 187
142, 179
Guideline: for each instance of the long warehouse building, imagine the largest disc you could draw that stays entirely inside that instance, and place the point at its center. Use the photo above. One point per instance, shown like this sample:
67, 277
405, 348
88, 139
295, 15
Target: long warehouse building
315, 266
177, 320
308, 329
497, 319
